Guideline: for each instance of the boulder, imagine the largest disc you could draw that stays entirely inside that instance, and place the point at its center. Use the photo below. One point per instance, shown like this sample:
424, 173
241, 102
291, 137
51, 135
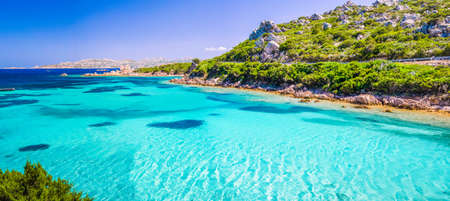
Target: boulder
326, 26
272, 47
401, 7
302, 22
364, 99
349, 4
405, 103
272, 37
264, 27
409, 20
386, 2
299, 32
342, 18
436, 29
360, 37
259, 42
316, 17
390, 23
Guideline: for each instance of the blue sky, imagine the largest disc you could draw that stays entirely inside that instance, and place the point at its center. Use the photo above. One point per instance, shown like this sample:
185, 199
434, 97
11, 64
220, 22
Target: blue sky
41, 32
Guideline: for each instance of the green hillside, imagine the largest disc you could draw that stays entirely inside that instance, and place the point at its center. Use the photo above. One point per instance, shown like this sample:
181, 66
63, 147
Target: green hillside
388, 29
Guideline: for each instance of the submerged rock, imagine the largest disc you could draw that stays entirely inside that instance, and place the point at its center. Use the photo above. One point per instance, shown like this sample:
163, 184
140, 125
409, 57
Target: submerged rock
36, 147
103, 124
134, 94
106, 89
183, 124
9, 103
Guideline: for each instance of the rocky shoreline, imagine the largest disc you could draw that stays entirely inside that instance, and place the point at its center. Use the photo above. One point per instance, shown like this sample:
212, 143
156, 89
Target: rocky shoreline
431, 103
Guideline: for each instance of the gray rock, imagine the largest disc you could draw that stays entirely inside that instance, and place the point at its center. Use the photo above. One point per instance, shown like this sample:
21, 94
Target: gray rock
326, 26
264, 27
272, 47
342, 18
364, 99
409, 20
436, 29
360, 37
390, 23
302, 22
259, 42
349, 3
299, 32
401, 7
386, 2
316, 17
272, 37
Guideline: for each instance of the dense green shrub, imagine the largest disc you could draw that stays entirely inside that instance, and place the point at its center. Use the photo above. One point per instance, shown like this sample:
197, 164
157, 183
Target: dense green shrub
35, 184
379, 76
176, 68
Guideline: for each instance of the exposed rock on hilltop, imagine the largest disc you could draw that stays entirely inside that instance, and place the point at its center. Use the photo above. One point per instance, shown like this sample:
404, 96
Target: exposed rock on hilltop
386, 2
389, 29
264, 27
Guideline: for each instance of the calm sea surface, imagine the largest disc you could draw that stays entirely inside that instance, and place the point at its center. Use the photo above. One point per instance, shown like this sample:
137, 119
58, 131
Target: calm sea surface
145, 139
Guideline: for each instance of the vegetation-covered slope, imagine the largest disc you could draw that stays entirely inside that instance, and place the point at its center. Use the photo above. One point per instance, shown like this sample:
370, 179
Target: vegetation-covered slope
379, 77
176, 68
36, 184
389, 29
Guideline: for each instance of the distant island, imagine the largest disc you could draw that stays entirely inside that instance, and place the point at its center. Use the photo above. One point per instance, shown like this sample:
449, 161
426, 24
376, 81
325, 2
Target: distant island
110, 63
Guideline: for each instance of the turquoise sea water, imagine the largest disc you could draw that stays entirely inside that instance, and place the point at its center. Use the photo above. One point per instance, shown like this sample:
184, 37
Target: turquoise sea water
145, 139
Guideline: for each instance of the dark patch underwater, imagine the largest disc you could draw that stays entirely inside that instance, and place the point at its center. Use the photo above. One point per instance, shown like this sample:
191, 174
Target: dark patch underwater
106, 89
133, 94
36, 147
9, 103
103, 124
183, 124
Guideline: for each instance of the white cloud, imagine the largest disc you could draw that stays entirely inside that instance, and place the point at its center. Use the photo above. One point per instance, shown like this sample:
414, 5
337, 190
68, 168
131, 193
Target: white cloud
216, 49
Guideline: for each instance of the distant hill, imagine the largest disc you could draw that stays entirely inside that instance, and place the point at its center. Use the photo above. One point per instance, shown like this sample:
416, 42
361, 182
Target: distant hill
388, 29
110, 63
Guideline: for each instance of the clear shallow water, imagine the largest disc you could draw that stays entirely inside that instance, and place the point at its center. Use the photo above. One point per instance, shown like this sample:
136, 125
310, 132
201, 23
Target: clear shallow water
144, 139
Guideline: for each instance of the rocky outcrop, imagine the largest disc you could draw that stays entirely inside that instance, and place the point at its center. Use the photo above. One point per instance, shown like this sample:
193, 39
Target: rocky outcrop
409, 20
439, 28
271, 48
302, 22
264, 27
386, 2
316, 17
270, 52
